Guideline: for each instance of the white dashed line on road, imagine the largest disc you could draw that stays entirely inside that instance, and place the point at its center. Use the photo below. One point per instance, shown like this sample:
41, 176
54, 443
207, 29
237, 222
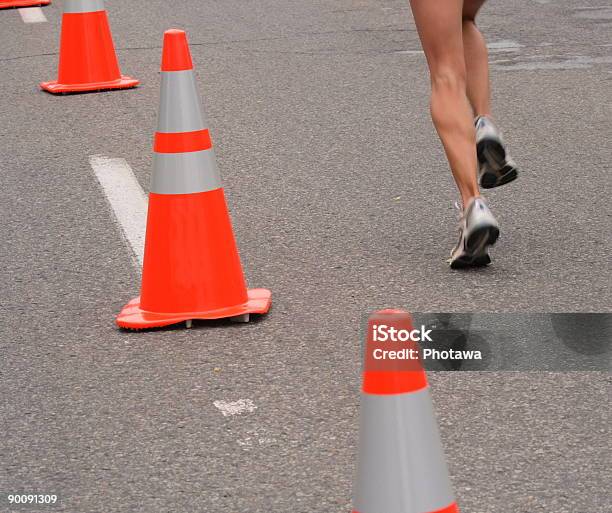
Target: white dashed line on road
235, 408
32, 15
126, 198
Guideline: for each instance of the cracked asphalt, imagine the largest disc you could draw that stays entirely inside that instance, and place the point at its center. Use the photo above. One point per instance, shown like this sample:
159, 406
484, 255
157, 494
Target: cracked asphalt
341, 202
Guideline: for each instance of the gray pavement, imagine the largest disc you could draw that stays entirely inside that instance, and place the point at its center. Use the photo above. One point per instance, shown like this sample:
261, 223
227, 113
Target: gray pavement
341, 202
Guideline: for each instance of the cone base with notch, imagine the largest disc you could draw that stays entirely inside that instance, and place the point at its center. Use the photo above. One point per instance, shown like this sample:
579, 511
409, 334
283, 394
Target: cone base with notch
23, 3
134, 317
55, 87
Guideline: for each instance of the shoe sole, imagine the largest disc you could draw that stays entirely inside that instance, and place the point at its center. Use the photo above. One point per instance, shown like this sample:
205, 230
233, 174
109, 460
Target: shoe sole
476, 247
464, 263
498, 171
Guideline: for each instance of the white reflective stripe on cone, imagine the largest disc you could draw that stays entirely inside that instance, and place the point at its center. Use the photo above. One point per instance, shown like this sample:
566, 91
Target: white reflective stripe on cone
185, 173
77, 6
402, 468
179, 103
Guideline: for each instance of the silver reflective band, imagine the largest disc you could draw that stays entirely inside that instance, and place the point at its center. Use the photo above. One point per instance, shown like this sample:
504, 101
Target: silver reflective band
401, 467
179, 104
76, 6
185, 173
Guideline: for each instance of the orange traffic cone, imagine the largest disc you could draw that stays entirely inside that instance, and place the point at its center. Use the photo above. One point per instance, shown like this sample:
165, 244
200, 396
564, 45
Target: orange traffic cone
401, 466
191, 266
7, 4
87, 60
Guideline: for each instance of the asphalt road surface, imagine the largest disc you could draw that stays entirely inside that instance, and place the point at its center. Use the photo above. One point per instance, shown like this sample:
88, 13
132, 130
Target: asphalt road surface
341, 202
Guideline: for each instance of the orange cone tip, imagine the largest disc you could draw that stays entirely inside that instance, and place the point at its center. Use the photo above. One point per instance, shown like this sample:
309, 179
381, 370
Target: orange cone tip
176, 55
388, 377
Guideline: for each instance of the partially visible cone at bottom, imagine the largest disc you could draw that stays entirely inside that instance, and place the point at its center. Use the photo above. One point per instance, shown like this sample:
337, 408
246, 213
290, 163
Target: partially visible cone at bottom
87, 59
191, 266
401, 467
8, 4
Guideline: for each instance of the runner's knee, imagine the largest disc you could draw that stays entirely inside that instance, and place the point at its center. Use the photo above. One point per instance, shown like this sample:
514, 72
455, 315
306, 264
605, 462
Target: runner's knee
470, 10
449, 79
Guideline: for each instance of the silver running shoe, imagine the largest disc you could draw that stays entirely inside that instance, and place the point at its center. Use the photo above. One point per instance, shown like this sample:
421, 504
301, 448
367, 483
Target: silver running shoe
495, 167
478, 231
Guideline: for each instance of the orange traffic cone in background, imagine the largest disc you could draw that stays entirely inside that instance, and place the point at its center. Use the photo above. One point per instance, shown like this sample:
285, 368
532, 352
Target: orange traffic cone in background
87, 60
401, 466
191, 266
7, 4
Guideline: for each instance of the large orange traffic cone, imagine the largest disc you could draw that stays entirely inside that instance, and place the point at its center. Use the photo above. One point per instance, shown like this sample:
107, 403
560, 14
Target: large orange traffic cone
7, 4
401, 466
87, 60
191, 265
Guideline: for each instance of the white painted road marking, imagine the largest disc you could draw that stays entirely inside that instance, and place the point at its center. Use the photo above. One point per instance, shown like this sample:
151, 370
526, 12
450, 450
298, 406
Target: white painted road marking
256, 437
235, 408
126, 198
32, 15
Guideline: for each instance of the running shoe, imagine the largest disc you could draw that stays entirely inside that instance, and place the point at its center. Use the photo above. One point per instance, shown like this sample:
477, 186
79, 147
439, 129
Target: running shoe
478, 231
495, 167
